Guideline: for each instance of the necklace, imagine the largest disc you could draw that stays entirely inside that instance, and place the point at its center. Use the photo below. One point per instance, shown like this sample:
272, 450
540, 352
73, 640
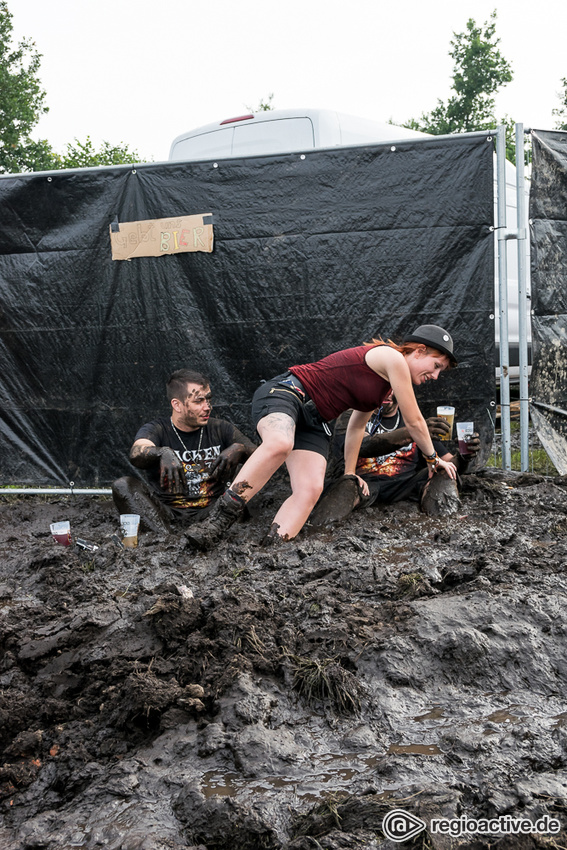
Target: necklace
394, 426
181, 441
378, 424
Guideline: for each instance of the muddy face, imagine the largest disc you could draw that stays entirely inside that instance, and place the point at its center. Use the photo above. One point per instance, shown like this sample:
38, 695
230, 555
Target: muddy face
194, 410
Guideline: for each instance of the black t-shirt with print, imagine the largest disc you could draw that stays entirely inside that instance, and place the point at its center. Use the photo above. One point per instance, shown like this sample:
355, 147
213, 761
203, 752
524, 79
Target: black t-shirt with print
403, 462
197, 451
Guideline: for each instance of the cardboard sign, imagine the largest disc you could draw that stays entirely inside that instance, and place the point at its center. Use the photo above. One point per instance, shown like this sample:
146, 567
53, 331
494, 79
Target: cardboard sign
158, 236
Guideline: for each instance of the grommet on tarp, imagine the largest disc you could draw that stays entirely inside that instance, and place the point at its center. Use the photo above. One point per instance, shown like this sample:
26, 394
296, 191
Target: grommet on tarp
208, 219
114, 226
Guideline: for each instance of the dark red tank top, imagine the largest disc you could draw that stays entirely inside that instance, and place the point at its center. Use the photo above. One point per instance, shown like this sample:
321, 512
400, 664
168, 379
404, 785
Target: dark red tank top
341, 381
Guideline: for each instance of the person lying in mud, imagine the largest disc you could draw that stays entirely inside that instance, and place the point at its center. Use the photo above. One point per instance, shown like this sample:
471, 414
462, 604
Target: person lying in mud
391, 464
189, 457
291, 413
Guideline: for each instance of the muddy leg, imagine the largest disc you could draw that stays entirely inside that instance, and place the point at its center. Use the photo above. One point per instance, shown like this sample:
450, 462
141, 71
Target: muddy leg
339, 500
131, 496
440, 496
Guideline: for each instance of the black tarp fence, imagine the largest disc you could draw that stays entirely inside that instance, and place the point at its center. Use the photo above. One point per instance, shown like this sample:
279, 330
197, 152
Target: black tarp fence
312, 253
548, 222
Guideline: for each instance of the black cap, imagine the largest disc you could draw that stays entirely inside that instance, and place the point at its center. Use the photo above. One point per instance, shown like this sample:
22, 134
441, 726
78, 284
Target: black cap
434, 337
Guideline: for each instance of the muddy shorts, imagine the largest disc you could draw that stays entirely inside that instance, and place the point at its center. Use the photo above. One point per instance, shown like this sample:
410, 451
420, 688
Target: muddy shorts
285, 394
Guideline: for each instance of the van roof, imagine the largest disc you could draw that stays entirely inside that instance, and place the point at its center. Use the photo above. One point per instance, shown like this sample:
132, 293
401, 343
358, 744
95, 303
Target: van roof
327, 128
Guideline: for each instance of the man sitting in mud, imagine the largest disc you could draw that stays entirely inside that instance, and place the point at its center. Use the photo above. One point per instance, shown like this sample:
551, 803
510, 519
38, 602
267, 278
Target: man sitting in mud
392, 466
189, 457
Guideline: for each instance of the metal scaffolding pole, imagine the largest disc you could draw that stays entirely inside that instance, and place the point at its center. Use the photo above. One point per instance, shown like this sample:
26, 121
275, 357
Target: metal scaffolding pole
522, 299
503, 296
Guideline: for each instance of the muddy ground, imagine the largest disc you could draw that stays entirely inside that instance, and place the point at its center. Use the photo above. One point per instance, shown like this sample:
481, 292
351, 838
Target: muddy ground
288, 697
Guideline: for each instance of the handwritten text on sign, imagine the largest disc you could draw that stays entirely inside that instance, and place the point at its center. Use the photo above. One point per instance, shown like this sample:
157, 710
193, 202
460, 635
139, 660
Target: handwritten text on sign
158, 236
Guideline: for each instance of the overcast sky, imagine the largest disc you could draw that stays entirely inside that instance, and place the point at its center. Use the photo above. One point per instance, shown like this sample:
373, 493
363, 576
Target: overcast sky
142, 71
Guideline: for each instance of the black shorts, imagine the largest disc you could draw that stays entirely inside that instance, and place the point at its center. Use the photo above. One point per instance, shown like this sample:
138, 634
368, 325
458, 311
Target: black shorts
312, 434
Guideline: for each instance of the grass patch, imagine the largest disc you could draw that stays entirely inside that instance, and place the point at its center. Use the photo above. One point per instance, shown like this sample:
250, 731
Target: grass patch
539, 461
326, 680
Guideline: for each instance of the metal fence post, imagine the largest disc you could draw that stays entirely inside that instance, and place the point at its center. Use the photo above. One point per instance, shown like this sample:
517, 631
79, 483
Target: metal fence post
503, 296
522, 299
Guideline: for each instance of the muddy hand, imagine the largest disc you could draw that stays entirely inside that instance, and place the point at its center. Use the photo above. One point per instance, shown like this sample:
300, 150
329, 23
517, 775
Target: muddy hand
473, 445
171, 473
226, 463
438, 428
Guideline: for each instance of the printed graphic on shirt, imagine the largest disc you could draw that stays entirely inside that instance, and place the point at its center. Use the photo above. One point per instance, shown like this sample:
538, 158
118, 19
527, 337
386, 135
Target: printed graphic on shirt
197, 450
395, 463
196, 465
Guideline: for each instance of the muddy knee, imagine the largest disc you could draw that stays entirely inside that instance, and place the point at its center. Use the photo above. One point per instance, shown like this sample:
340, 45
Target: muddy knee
338, 501
123, 492
440, 496
131, 496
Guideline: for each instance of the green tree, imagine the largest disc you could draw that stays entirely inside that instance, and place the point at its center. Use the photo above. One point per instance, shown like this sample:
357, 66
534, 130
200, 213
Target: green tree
561, 113
264, 105
479, 72
22, 103
83, 154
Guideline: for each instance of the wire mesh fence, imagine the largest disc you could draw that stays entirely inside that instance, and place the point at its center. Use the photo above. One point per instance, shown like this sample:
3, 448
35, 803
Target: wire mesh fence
538, 460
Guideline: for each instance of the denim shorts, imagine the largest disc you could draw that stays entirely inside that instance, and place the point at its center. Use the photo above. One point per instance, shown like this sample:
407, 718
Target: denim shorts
312, 434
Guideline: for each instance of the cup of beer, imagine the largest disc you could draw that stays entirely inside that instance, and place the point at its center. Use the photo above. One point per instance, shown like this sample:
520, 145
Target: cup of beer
129, 528
61, 532
465, 430
447, 413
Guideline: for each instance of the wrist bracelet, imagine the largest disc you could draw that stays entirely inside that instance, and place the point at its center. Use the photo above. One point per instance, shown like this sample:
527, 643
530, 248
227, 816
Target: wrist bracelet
432, 460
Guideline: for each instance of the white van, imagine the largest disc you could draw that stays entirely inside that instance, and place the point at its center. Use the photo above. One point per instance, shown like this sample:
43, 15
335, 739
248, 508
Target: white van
282, 131
295, 130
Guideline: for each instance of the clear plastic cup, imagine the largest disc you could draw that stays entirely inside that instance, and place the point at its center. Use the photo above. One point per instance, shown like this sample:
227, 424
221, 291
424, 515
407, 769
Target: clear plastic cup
465, 430
61, 532
129, 528
448, 414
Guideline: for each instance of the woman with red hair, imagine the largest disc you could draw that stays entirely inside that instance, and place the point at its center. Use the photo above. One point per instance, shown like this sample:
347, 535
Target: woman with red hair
291, 414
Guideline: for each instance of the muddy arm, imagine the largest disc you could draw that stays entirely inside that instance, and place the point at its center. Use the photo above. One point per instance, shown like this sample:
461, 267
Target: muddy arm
145, 454
376, 445
229, 459
383, 444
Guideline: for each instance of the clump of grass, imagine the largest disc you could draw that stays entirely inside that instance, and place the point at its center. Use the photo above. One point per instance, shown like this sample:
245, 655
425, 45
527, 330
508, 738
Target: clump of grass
327, 680
412, 584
